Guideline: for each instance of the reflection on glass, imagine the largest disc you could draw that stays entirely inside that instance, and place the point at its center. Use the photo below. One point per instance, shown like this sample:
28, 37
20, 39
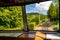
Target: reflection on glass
11, 18
43, 16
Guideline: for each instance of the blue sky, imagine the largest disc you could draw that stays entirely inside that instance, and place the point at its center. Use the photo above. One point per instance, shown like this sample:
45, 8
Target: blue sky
42, 7
31, 8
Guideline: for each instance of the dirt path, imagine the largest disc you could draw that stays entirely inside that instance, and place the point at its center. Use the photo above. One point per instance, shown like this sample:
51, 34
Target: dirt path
45, 26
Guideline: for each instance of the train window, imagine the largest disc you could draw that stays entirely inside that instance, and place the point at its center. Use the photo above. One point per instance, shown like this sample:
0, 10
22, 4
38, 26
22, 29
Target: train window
43, 15
11, 18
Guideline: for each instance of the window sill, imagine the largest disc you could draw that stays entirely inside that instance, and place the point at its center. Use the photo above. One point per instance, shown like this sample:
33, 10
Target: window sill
10, 34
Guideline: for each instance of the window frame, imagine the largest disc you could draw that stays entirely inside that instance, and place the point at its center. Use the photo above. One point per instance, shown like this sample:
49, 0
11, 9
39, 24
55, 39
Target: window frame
24, 23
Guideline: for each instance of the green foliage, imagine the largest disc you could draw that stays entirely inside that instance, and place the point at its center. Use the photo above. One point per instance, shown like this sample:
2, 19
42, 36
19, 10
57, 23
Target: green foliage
11, 17
52, 13
33, 19
31, 26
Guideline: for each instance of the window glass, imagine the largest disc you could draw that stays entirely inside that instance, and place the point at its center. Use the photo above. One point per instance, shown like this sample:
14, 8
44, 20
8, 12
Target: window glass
43, 15
11, 18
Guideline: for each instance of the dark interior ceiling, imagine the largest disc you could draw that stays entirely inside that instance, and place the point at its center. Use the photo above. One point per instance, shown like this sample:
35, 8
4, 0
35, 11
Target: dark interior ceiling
4, 3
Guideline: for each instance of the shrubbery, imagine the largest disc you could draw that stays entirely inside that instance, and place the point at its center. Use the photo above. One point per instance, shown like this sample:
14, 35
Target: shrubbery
11, 17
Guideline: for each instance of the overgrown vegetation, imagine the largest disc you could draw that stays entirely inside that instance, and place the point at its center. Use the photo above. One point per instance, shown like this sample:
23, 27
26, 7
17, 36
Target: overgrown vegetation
11, 18
53, 14
34, 19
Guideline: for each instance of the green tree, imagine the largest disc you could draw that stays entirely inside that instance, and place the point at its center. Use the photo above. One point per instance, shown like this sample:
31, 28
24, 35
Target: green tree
52, 13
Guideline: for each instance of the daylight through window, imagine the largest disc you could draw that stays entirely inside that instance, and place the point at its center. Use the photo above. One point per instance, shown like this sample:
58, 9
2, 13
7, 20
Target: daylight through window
43, 16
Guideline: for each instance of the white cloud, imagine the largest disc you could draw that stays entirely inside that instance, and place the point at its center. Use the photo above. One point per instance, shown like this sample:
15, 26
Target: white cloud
43, 6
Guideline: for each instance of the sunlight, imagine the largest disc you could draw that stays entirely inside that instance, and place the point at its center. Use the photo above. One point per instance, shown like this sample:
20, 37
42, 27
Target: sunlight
40, 36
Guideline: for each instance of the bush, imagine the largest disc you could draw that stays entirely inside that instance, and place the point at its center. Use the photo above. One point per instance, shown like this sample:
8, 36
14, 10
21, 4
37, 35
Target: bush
11, 17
